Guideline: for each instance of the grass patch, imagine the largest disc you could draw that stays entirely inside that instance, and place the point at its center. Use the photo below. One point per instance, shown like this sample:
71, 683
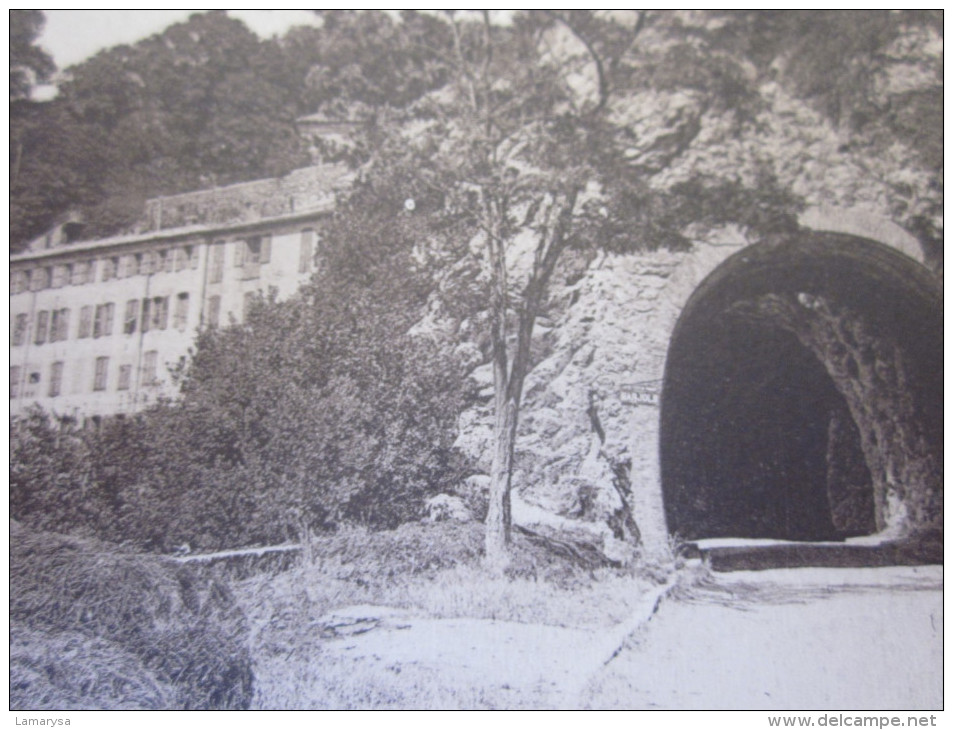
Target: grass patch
431, 570
95, 627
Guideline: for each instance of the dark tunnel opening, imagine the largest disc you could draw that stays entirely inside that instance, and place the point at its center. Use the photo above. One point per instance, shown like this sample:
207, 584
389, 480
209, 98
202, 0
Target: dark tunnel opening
802, 397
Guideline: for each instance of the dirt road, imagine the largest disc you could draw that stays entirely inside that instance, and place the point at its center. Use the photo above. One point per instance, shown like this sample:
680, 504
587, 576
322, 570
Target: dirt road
800, 639
795, 639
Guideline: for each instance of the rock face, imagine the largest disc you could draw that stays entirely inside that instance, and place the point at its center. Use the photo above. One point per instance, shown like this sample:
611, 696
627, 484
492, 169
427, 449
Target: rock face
587, 447
588, 444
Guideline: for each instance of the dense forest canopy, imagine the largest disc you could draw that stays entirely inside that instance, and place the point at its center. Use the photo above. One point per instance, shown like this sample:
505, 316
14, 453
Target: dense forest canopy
206, 102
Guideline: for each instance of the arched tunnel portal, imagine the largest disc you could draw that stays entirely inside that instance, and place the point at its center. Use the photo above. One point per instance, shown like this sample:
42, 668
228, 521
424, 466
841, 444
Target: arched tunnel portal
803, 396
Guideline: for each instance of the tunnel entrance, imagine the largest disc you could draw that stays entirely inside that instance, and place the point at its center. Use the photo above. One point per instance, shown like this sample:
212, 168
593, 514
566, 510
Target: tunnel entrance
802, 397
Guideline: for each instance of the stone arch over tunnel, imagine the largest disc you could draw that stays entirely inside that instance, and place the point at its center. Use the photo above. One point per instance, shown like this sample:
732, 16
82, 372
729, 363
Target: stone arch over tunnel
802, 395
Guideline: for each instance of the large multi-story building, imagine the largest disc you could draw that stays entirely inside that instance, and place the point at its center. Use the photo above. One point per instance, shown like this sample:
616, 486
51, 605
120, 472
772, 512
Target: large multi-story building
96, 324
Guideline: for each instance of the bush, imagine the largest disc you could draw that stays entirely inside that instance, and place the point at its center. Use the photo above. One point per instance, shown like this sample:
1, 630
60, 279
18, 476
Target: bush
52, 486
140, 630
59, 670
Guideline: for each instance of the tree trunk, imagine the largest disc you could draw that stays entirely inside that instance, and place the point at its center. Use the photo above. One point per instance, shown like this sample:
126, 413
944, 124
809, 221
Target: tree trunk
499, 518
508, 378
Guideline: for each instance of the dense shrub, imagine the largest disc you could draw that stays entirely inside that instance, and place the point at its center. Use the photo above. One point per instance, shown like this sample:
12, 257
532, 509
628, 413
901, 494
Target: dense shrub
52, 484
93, 626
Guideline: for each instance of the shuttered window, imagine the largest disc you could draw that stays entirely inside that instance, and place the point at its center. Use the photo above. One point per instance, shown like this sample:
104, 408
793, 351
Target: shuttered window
181, 316
102, 370
125, 376
131, 317
85, 322
149, 364
59, 325
42, 326
56, 379
218, 263
14, 381
306, 255
103, 323
20, 324
214, 309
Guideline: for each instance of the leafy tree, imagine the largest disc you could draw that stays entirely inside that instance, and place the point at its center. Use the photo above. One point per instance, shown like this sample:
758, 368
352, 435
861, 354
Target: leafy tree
29, 64
340, 413
51, 171
359, 62
50, 479
192, 107
530, 151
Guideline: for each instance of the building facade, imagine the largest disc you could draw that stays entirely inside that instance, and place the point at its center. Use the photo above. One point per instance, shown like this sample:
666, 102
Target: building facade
97, 325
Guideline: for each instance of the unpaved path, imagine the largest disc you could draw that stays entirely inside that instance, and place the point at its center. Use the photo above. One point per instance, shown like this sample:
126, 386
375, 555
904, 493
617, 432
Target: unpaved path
797, 639
814, 639
467, 663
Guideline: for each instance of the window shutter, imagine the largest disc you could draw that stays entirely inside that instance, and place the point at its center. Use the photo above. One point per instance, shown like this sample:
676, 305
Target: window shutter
125, 373
99, 377
85, 321
149, 371
110, 312
132, 313
63, 333
265, 249
239, 253
42, 322
56, 379
14, 380
162, 311
19, 329
307, 251
218, 262
181, 311
146, 311
214, 305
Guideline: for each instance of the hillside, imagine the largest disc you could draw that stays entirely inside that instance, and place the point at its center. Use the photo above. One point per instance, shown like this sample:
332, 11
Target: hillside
204, 103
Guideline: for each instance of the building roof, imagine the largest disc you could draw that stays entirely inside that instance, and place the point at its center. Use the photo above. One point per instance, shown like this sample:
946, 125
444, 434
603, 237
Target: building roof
300, 194
169, 234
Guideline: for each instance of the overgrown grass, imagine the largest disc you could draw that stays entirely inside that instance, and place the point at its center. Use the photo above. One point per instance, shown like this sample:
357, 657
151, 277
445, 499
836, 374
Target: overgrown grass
70, 670
95, 627
431, 571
